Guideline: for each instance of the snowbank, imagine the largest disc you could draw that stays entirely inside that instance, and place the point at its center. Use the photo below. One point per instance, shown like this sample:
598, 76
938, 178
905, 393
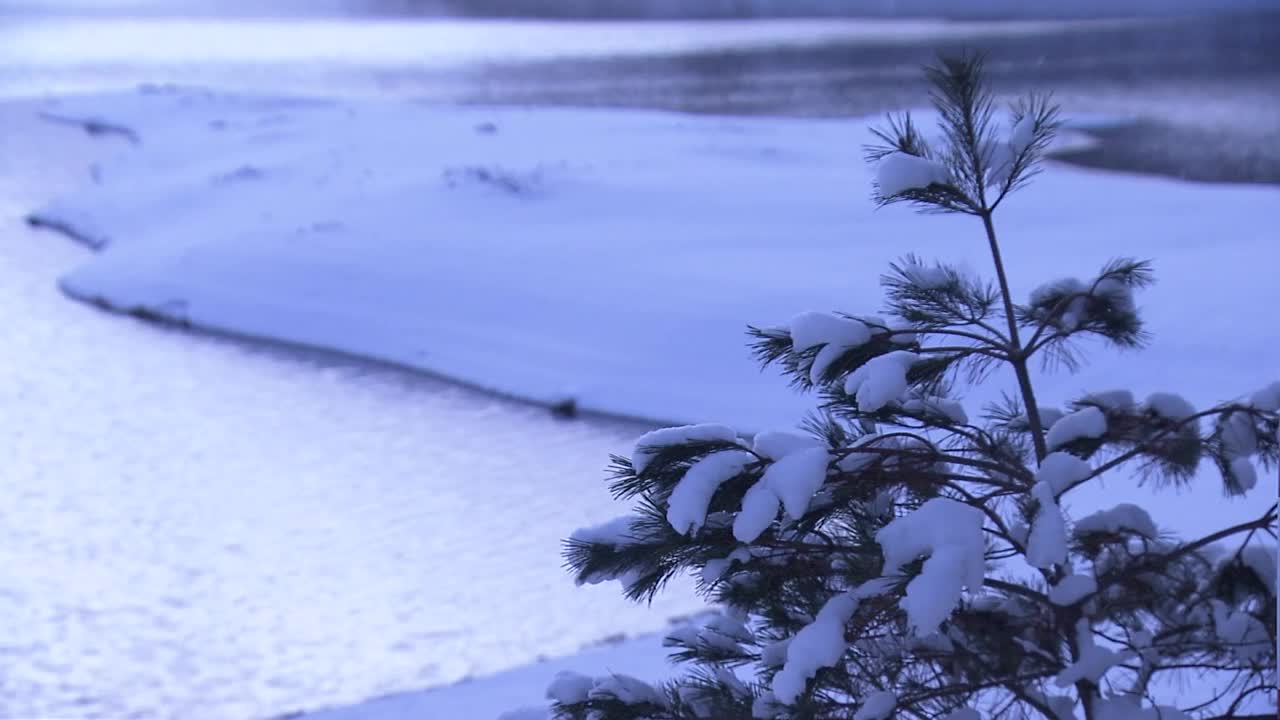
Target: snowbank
611, 257
519, 693
615, 257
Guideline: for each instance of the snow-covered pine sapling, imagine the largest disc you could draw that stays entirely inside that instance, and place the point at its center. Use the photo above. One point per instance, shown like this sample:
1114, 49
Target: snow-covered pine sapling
901, 558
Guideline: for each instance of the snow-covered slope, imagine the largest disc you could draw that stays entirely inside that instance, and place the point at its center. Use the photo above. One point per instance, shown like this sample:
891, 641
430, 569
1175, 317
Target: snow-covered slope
610, 257
615, 258
518, 694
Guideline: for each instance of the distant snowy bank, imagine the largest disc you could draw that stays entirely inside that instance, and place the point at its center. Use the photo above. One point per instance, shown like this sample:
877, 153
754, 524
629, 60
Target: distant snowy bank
611, 258
517, 694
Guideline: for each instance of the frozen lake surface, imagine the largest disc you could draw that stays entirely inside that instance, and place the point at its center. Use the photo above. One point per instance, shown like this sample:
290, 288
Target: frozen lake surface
195, 528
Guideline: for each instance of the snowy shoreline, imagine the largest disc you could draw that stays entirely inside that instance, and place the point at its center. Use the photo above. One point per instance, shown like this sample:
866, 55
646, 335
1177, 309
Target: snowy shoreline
284, 204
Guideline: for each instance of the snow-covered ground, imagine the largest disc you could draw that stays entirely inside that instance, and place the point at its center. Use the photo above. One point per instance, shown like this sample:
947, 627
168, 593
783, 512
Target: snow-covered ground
615, 258
517, 694
612, 258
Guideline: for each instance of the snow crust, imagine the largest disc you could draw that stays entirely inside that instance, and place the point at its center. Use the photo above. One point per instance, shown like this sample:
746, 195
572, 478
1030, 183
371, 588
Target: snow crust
949, 533
687, 506
1087, 422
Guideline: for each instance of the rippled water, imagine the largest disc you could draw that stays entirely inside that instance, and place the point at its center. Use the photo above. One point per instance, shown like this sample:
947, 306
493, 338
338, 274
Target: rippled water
192, 528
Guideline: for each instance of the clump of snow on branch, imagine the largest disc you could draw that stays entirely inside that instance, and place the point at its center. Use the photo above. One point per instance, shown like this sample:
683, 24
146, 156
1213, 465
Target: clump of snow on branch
819, 644
1241, 631
877, 706
1061, 470
1088, 422
687, 506
651, 443
1262, 560
1169, 406
1129, 707
760, 506
799, 469
626, 690
1114, 400
899, 172
618, 532
796, 477
1122, 517
1024, 133
1093, 660
1267, 399
775, 444
1047, 538
949, 533
881, 380
837, 335
1239, 436
937, 406
1071, 589
569, 688
925, 277
716, 568
1070, 316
